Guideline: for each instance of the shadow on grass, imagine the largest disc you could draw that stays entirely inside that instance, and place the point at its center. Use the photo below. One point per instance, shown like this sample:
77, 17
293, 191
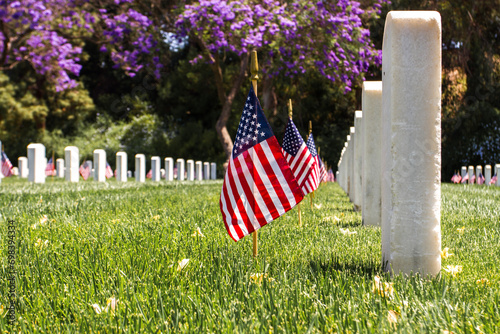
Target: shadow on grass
335, 265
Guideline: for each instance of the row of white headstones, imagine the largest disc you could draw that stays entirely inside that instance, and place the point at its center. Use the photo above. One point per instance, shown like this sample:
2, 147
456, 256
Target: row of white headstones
390, 165
33, 167
479, 171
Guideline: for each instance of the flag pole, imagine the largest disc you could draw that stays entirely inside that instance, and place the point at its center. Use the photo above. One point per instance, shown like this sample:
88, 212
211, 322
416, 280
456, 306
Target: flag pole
312, 193
254, 71
290, 114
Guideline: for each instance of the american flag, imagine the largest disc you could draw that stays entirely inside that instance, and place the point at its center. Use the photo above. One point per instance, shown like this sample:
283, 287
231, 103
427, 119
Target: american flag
493, 179
456, 178
259, 185
50, 170
85, 170
330, 177
322, 170
6, 165
312, 148
109, 172
149, 175
299, 158
465, 178
472, 179
480, 178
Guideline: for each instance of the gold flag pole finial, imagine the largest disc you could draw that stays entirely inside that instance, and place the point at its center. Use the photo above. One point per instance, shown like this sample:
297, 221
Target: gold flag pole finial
310, 127
254, 71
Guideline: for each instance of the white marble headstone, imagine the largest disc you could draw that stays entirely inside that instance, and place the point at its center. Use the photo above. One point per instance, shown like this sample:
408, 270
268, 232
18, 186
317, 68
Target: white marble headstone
36, 163
140, 167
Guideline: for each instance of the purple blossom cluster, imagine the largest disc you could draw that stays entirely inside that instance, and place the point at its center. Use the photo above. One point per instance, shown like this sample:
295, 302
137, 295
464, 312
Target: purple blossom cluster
326, 35
49, 34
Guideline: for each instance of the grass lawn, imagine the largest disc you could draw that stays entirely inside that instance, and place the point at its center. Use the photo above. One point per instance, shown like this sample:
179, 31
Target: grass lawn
110, 242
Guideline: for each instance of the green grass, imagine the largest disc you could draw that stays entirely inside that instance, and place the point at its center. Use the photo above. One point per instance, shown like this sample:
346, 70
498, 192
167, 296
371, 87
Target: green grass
125, 241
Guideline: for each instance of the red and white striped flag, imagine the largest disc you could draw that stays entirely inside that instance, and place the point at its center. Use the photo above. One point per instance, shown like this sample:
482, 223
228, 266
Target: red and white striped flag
299, 158
85, 170
312, 148
149, 175
6, 165
259, 185
50, 170
322, 170
480, 179
493, 179
109, 172
465, 178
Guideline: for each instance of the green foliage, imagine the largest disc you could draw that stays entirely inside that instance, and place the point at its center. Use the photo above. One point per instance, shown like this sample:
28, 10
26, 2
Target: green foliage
126, 240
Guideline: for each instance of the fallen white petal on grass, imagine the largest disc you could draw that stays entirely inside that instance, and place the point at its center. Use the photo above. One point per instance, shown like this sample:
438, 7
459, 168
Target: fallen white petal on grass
347, 232
97, 308
182, 264
197, 233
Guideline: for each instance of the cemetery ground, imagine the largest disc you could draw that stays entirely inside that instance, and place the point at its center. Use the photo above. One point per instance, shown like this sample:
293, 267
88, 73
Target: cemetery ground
109, 258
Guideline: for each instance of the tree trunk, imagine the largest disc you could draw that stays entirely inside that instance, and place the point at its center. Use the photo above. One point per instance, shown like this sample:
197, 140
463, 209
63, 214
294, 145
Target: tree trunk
269, 98
227, 102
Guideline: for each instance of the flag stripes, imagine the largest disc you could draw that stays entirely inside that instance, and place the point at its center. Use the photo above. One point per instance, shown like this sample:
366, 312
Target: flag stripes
6, 165
257, 189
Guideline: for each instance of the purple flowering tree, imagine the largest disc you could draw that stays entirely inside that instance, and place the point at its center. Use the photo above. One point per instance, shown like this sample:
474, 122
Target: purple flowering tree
49, 35
291, 37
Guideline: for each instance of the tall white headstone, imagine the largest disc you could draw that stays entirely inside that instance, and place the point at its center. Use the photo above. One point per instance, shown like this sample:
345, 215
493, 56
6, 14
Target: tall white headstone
358, 160
72, 162
350, 148
60, 167
22, 164
199, 170
190, 170
497, 171
180, 169
140, 167
36, 163
464, 171
471, 174
121, 167
411, 142
487, 174
479, 172
213, 171
371, 187
100, 165
206, 170
155, 169
169, 169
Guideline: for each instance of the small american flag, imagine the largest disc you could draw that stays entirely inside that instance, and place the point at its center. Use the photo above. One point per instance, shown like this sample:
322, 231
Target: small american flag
259, 185
465, 178
312, 148
472, 179
50, 170
149, 175
493, 179
456, 178
6, 165
480, 178
109, 172
299, 158
322, 170
85, 170
330, 177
